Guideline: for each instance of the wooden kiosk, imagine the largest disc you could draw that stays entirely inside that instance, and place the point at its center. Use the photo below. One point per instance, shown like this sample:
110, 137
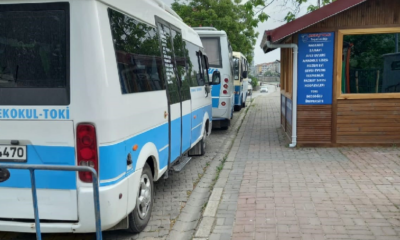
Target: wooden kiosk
348, 74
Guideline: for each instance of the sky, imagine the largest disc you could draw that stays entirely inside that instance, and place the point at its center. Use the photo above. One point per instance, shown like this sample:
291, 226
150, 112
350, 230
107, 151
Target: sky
277, 14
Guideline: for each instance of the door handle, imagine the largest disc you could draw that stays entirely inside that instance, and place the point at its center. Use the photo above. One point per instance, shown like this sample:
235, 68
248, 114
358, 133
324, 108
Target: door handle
129, 159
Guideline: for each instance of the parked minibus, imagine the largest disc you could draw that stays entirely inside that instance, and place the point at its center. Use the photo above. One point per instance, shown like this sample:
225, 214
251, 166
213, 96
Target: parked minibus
241, 67
120, 86
220, 54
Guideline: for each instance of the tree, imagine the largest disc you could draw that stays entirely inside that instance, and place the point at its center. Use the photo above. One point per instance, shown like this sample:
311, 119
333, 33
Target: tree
237, 20
312, 8
254, 81
271, 74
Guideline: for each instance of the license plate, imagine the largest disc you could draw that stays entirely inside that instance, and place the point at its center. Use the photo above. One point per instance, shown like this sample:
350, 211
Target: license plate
10, 153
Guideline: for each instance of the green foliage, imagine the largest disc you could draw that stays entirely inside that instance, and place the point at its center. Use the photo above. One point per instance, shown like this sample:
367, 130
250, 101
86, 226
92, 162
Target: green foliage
312, 8
236, 19
290, 16
271, 74
254, 81
369, 48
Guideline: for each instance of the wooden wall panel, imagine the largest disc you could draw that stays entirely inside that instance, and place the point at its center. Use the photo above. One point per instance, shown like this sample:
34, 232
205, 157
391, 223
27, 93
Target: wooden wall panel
314, 124
369, 14
368, 121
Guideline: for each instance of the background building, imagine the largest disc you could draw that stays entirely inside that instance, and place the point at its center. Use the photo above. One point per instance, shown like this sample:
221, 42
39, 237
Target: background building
273, 67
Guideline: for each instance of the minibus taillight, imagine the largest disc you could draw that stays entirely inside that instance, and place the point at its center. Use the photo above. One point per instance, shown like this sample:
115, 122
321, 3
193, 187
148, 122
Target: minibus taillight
223, 104
226, 80
225, 92
86, 145
226, 86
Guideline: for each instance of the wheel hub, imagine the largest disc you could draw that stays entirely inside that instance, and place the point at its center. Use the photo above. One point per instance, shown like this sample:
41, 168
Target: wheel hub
144, 196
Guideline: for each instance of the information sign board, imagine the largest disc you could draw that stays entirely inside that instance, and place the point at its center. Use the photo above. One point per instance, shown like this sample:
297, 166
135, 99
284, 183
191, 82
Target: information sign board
315, 69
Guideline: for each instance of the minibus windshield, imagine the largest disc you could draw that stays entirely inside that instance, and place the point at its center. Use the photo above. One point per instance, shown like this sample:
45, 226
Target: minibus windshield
236, 67
33, 54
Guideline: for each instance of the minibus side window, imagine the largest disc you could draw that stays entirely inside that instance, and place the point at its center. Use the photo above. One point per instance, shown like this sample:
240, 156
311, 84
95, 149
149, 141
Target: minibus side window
231, 58
138, 56
201, 77
192, 63
236, 68
180, 60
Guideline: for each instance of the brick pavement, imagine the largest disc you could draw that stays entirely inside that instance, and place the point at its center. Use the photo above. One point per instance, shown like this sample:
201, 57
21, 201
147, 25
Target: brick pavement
275, 192
171, 196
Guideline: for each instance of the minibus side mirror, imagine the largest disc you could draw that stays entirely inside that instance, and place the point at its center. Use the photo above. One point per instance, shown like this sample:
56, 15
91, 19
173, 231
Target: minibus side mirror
244, 74
216, 78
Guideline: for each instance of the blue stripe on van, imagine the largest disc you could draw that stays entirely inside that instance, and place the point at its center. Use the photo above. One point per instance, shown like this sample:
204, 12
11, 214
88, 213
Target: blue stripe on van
45, 179
118, 168
215, 102
216, 90
215, 93
112, 158
238, 99
211, 70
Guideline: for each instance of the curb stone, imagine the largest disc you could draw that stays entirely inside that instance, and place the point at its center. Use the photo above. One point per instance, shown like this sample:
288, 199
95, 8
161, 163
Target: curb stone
209, 216
190, 215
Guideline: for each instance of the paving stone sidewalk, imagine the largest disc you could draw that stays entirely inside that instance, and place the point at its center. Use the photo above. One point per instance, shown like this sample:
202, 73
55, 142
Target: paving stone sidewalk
171, 195
274, 192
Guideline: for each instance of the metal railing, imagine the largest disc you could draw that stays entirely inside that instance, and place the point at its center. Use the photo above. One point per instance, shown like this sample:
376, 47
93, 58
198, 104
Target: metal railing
95, 183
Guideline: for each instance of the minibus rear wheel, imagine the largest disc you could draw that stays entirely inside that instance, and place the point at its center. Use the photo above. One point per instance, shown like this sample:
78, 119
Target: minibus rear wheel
238, 108
140, 216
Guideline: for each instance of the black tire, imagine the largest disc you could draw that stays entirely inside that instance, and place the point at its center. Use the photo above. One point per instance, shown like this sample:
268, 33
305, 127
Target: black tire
203, 143
224, 128
138, 221
238, 108
243, 104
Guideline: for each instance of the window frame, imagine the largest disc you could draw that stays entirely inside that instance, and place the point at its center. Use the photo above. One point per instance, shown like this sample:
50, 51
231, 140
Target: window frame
26, 96
219, 51
339, 62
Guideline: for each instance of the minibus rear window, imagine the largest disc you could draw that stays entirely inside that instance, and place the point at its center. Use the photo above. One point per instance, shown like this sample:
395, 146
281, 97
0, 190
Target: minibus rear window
212, 47
34, 54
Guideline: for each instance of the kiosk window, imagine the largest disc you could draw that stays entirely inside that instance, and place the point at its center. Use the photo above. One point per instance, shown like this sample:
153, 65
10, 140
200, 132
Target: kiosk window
370, 64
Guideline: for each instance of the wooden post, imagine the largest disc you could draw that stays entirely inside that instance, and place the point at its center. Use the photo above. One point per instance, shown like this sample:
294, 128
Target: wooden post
377, 81
357, 81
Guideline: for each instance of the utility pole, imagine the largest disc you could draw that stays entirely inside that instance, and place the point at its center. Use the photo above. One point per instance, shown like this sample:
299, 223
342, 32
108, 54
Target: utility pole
319, 3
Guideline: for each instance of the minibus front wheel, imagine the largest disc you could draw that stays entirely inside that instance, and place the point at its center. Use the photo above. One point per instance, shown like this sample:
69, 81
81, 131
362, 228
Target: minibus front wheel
140, 216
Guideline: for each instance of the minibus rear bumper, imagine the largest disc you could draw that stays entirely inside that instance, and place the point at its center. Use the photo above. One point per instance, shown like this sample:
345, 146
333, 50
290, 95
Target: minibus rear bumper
112, 208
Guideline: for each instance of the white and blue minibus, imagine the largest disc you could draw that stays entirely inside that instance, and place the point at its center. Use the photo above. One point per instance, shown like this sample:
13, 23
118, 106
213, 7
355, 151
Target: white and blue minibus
241, 67
120, 86
220, 54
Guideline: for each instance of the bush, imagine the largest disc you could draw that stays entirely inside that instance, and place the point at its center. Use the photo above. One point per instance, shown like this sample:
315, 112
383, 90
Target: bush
254, 82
